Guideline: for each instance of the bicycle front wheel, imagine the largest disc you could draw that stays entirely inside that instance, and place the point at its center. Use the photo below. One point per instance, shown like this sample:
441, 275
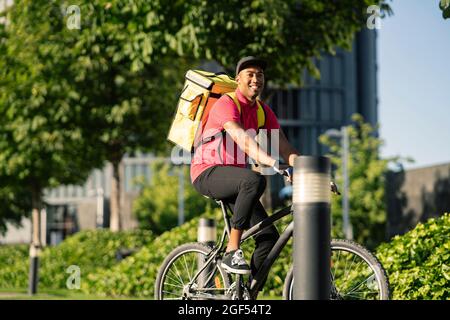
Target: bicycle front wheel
356, 274
175, 280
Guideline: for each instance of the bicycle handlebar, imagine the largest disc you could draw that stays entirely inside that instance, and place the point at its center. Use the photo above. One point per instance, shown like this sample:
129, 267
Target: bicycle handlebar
288, 173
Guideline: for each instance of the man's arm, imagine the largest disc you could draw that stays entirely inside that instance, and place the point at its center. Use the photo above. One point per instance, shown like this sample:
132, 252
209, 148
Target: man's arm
248, 144
287, 151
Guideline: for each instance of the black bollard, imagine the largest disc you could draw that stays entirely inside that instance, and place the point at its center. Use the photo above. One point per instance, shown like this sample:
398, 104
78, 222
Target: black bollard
312, 228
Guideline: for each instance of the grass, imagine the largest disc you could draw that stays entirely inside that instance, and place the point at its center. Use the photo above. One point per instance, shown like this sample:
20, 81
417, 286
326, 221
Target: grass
60, 294
65, 294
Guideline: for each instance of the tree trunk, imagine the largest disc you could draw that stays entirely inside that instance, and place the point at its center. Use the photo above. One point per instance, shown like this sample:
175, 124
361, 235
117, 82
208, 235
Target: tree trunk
35, 246
115, 201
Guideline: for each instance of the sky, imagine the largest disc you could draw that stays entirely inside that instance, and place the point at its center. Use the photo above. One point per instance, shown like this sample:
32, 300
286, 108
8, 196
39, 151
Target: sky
414, 83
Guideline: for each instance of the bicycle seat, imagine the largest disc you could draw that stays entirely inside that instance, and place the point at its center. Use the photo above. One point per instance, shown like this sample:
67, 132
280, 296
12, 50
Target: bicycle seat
216, 200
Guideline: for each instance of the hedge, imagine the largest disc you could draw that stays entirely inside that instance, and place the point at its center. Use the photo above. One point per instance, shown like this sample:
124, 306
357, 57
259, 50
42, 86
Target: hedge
13, 266
418, 262
89, 250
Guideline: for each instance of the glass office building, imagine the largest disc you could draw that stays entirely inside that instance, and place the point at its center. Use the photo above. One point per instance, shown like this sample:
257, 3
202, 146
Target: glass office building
348, 85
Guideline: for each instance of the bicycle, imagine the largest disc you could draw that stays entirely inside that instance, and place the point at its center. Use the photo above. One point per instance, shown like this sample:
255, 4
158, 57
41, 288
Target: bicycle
193, 271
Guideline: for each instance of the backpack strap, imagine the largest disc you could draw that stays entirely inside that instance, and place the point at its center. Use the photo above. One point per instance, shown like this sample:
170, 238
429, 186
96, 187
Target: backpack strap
261, 114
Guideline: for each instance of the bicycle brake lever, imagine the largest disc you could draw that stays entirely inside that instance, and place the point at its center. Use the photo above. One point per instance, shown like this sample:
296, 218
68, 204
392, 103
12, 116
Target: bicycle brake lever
288, 172
334, 188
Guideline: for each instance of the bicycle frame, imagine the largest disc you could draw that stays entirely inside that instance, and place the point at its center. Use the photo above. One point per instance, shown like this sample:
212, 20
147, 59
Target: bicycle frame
257, 281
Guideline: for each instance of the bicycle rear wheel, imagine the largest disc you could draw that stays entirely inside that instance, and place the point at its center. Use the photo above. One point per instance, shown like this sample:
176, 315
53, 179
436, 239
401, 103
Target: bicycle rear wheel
356, 274
175, 276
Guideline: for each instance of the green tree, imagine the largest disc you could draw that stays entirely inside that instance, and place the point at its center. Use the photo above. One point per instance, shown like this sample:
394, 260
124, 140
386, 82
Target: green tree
157, 206
15, 200
127, 59
125, 50
288, 34
127, 78
116, 80
41, 145
16, 204
444, 5
366, 182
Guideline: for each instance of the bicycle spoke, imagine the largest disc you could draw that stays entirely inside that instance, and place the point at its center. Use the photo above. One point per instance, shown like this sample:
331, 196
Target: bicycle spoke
168, 284
359, 263
193, 264
173, 285
359, 285
361, 294
348, 270
354, 274
169, 292
182, 269
337, 259
177, 272
179, 280
187, 268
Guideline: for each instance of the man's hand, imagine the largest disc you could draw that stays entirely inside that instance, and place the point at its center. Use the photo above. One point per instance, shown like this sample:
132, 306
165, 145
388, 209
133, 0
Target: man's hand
289, 173
286, 171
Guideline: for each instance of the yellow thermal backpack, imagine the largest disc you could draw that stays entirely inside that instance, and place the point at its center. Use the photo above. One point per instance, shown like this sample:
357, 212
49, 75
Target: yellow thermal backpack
201, 90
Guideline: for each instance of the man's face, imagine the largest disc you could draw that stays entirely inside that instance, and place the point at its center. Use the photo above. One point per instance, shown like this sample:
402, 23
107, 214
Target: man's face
251, 82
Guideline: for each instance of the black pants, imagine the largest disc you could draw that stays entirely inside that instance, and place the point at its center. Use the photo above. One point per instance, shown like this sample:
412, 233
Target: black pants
241, 188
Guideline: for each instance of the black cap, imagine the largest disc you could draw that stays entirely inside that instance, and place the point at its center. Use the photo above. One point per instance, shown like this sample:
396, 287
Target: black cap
250, 61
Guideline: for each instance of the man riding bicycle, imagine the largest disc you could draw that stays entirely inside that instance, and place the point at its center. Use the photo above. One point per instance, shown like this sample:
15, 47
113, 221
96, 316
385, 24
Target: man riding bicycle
217, 169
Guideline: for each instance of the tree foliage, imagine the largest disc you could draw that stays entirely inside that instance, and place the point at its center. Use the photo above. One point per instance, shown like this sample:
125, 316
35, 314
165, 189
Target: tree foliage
90, 250
130, 57
366, 182
157, 206
41, 143
85, 94
288, 34
112, 83
16, 201
444, 5
16, 204
418, 262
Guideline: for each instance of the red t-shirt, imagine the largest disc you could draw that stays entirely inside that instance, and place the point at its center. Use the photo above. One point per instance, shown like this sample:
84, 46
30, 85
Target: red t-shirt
224, 151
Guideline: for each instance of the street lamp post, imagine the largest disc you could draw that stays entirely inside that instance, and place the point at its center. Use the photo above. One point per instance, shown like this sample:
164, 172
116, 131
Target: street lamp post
180, 160
99, 194
181, 195
343, 135
100, 210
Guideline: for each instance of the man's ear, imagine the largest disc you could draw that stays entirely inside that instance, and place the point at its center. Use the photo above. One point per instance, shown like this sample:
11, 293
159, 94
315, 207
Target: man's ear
237, 78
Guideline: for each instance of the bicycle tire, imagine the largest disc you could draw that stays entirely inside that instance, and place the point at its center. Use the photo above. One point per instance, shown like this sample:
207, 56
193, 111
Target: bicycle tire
355, 248
177, 253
